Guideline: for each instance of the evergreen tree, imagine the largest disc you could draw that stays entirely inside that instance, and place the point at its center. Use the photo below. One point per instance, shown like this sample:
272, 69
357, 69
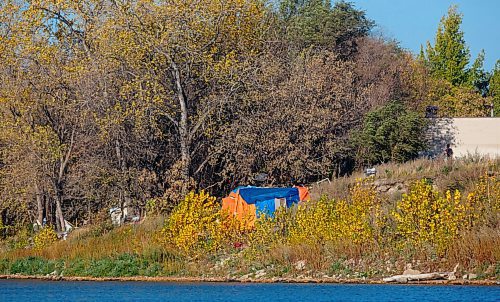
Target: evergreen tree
421, 54
450, 55
390, 133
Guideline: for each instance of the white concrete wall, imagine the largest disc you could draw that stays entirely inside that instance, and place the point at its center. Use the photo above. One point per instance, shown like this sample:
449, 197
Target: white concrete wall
467, 136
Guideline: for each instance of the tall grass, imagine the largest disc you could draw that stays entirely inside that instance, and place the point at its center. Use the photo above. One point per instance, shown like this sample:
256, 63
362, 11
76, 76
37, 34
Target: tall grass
92, 243
460, 174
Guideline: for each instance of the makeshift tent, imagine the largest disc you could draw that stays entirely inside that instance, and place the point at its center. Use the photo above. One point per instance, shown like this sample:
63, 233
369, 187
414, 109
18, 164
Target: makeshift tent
247, 203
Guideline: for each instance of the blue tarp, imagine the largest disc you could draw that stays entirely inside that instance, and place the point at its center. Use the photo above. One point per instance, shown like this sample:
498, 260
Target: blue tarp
264, 198
253, 195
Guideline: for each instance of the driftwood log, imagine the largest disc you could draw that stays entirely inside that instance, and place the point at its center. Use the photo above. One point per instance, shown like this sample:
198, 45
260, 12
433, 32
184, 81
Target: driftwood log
418, 277
422, 277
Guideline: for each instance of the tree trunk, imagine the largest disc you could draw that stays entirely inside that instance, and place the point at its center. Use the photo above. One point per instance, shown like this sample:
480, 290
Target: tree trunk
59, 183
184, 136
57, 220
48, 211
39, 205
59, 212
185, 157
126, 200
89, 211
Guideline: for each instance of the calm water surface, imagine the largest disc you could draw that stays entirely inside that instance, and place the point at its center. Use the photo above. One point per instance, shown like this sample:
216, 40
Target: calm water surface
40, 291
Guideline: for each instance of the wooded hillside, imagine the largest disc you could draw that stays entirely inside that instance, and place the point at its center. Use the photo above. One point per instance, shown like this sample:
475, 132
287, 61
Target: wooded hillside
134, 102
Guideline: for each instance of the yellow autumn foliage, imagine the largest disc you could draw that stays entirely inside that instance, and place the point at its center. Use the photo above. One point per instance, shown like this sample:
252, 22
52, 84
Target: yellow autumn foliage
484, 201
198, 223
356, 219
190, 221
44, 238
423, 216
269, 231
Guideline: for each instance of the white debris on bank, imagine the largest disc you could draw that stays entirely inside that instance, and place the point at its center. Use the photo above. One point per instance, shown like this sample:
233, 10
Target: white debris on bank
416, 276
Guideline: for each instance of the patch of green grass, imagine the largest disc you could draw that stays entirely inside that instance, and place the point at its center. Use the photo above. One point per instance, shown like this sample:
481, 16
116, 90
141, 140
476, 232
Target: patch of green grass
76, 267
125, 265
36, 266
281, 271
4, 266
338, 267
153, 270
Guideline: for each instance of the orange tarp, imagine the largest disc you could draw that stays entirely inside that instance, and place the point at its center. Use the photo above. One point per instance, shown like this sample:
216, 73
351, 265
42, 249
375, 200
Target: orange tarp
237, 207
303, 193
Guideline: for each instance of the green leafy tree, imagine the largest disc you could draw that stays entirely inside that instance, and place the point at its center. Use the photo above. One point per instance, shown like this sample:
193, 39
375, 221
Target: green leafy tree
457, 90
317, 22
390, 133
450, 55
494, 88
421, 54
478, 78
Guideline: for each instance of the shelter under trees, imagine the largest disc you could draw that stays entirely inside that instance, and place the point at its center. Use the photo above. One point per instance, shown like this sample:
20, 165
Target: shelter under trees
133, 103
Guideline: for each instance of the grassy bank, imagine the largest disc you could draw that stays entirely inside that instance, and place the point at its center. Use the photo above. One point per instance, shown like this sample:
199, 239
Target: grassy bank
427, 215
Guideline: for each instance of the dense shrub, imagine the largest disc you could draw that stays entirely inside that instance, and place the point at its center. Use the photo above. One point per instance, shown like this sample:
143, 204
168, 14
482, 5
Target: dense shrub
44, 238
189, 222
390, 133
424, 216
361, 232
423, 219
35, 266
356, 219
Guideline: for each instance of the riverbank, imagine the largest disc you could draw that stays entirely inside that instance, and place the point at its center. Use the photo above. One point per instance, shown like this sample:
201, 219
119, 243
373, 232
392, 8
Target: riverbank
245, 280
363, 232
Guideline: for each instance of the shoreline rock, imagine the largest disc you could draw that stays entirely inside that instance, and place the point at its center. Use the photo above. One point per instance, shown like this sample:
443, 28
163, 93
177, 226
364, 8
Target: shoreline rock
245, 280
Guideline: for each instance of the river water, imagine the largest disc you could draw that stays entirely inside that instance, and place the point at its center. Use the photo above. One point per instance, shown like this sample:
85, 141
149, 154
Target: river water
40, 291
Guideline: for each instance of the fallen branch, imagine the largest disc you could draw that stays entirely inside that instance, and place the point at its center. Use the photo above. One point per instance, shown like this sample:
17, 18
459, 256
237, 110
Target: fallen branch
418, 277
422, 277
